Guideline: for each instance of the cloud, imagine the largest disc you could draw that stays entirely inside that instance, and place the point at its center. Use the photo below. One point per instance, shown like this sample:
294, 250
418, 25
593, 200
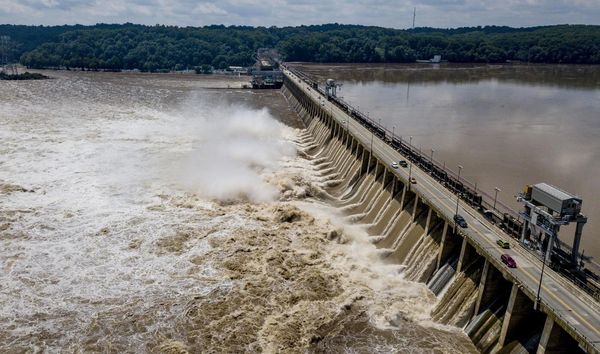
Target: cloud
208, 9
387, 13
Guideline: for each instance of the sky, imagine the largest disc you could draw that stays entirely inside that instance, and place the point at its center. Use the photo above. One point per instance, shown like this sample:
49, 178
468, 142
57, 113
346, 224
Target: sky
385, 13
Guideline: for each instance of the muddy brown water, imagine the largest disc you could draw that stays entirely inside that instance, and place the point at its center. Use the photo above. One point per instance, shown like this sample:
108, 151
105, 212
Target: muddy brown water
508, 125
157, 213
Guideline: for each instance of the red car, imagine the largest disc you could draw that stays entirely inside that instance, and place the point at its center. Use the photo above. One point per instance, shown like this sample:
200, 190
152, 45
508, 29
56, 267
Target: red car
506, 259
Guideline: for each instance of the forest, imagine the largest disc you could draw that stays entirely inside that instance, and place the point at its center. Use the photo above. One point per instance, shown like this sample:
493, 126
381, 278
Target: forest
157, 48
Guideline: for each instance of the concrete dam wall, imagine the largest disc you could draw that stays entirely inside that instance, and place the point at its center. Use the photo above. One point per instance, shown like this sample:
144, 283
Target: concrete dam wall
474, 291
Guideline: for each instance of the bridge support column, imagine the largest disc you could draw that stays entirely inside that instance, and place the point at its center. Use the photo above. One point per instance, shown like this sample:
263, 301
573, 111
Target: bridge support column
360, 150
402, 198
383, 177
347, 139
444, 247
466, 254
427, 223
392, 185
365, 161
555, 340
516, 312
489, 285
377, 170
331, 126
521, 321
414, 211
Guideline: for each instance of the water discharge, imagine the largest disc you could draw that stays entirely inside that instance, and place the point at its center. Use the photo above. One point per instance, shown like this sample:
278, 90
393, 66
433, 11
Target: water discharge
140, 213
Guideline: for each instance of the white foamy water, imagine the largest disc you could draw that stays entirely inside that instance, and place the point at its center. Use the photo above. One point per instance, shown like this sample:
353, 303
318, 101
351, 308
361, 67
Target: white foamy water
116, 174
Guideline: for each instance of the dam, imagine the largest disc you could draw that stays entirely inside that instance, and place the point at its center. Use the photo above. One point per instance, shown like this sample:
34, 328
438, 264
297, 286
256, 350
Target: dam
409, 216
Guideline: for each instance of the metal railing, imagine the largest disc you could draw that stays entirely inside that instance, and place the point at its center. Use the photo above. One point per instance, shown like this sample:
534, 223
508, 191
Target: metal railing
488, 206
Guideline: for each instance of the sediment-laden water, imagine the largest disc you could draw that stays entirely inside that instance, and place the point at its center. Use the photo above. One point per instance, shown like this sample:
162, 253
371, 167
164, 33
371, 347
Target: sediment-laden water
152, 213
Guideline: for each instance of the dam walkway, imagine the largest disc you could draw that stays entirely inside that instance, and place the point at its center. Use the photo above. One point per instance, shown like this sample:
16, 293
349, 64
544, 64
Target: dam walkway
567, 318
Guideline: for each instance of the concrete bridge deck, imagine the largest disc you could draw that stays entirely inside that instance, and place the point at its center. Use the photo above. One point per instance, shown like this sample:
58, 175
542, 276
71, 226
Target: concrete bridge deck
569, 307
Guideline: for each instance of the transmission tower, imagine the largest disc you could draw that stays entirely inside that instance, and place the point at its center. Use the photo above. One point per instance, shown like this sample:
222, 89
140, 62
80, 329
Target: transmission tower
5, 49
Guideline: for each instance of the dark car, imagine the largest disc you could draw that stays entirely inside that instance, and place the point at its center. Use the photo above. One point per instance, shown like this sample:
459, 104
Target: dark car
460, 221
403, 163
508, 260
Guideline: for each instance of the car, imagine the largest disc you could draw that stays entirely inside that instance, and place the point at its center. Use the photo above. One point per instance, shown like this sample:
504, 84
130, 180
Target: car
394, 165
460, 221
403, 163
508, 260
503, 244
413, 180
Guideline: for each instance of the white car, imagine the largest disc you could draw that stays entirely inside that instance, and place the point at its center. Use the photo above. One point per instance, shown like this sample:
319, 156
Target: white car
394, 165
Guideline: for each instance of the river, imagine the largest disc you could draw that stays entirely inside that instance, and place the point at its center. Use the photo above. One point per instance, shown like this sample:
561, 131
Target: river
171, 213
507, 125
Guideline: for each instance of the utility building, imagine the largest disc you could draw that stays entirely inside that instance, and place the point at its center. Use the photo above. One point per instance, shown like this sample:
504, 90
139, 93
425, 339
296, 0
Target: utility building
546, 208
556, 200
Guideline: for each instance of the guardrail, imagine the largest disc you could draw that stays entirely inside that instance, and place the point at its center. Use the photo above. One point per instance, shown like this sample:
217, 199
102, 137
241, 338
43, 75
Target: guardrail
498, 213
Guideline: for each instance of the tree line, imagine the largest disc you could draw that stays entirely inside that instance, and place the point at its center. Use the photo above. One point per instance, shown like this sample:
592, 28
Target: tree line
153, 48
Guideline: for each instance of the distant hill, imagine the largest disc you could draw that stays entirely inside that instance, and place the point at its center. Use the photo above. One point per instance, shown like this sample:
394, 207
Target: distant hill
152, 48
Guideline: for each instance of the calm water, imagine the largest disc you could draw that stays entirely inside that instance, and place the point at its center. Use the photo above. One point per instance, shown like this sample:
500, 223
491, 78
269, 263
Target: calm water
508, 125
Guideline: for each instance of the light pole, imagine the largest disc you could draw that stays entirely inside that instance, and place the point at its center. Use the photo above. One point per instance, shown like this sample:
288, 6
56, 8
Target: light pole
458, 194
459, 169
536, 304
496, 196
457, 200
393, 129
409, 174
431, 159
410, 140
370, 154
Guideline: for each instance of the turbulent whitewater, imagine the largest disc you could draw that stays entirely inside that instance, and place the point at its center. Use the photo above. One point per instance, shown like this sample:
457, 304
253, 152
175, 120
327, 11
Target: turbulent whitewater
152, 213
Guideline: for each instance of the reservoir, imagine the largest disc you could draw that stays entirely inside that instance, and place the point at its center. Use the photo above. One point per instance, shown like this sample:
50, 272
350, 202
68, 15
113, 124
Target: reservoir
507, 125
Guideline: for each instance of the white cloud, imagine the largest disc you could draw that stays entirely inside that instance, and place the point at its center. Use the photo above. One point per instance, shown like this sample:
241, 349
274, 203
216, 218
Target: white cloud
8, 8
49, 3
208, 9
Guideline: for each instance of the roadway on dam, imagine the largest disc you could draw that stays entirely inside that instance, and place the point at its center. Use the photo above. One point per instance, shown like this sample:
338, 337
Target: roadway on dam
574, 307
